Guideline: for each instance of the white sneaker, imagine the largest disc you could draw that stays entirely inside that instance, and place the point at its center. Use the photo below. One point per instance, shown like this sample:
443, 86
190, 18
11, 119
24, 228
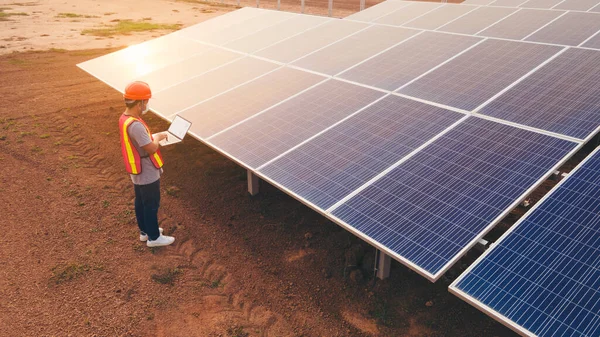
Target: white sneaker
144, 237
162, 240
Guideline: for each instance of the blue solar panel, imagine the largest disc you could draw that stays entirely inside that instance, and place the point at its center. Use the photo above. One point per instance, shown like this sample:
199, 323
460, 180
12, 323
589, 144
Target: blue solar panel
334, 164
264, 137
408, 60
438, 202
561, 97
477, 75
543, 276
594, 42
577, 5
570, 29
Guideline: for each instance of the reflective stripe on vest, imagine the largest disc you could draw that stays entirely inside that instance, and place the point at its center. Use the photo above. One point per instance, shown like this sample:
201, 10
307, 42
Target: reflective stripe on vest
131, 157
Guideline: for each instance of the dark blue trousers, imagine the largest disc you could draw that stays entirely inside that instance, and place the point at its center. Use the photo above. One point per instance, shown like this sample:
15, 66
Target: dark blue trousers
147, 201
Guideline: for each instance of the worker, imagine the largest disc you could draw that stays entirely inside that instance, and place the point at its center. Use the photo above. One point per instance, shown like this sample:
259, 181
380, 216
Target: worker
143, 162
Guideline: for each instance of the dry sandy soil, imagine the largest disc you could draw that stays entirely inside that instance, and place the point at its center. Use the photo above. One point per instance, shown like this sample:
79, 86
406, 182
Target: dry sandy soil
71, 263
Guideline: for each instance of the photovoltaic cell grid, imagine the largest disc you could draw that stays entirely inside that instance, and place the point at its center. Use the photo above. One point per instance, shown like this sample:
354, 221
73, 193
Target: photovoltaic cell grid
542, 4
375, 12
219, 23
280, 128
133, 62
507, 3
594, 42
339, 161
234, 106
182, 96
354, 49
570, 29
477, 20
521, 24
247, 27
543, 275
562, 97
410, 59
440, 16
271, 35
577, 5
179, 72
408, 13
477, 2
472, 78
441, 200
302, 44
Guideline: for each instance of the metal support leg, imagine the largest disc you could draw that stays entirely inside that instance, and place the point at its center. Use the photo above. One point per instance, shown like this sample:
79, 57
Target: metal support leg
362, 5
330, 7
278, 4
252, 183
383, 263
302, 6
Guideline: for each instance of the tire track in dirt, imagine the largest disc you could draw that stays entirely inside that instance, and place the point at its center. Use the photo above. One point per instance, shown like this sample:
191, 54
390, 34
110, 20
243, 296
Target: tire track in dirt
221, 298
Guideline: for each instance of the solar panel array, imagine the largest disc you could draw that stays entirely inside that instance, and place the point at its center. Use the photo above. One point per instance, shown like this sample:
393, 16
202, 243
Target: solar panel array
388, 122
542, 277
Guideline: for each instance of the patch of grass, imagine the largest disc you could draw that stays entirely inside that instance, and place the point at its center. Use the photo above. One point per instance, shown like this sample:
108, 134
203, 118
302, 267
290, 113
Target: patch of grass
4, 16
36, 149
381, 312
16, 61
30, 3
127, 27
212, 4
44, 136
237, 331
68, 272
75, 15
58, 50
2, 137
109, 13
105, 203
167, 277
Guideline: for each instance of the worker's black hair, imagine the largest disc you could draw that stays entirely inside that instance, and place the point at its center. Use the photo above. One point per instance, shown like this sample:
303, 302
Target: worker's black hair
130, 104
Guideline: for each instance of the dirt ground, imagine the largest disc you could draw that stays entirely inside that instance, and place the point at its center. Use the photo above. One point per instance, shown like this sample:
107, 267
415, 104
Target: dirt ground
72, 264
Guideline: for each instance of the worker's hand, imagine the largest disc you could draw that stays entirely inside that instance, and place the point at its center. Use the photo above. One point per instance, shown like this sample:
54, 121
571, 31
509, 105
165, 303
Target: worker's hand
161, 136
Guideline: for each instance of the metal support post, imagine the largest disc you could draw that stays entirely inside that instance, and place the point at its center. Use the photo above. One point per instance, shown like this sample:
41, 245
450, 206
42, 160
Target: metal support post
362, 5
330, 7
383, 262
257, 3
302, 6
252, 183
278, 4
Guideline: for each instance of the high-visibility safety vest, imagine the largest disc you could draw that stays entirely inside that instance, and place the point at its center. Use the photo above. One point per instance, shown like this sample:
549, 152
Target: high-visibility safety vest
131, 156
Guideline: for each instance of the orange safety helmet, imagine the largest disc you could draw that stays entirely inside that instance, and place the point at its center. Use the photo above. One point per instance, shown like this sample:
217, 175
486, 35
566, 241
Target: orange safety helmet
137, 91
